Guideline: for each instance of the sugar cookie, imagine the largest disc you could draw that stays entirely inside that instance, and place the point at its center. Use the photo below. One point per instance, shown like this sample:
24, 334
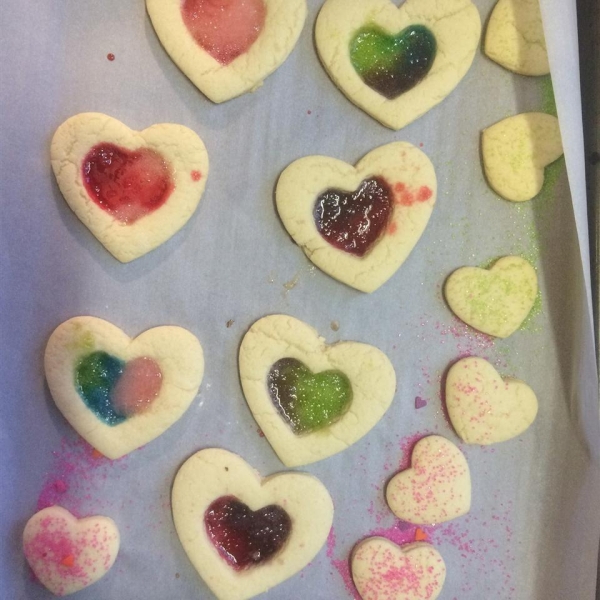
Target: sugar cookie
485, 408
495, 301
437, 486
120, 393
517, 150
68, 554
358, 224
396, 63
244, 534
132, 190
312, 400
227, 48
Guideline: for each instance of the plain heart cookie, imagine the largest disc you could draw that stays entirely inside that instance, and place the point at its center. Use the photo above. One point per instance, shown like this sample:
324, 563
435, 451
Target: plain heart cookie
517, 150
133, 190
120, 393
68, 554
381, 570
485, 408
495, 301
358, 224
437, 486
227, 47
312, 400
515, 37
244, 534
396, 63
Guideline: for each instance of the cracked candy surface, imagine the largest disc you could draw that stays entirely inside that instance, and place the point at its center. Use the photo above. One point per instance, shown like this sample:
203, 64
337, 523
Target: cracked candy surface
180, 148
485, 408
455, 25
369, 371
175, 350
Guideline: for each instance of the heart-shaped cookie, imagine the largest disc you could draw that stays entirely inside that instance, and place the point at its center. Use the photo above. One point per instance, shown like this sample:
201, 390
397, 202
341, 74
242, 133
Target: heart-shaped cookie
132, 190
396, 63
515, 37
437, 486
227, 47
358, 224
485, 408
381, 570
312, 400
68, 554
517, 150
120, 393
495, 301
244, 534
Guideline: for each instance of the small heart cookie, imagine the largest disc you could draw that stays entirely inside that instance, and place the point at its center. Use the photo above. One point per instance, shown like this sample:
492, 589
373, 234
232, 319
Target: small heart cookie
120, 393
495, 301
515, 37
436, 488
312, 400
132, 190
396, 63
227, 47
517, 150
381, 570
68, 554
358, 224
485, 408
244, 534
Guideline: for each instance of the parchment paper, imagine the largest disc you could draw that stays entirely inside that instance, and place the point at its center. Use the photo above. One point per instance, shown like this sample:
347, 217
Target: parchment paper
534, 526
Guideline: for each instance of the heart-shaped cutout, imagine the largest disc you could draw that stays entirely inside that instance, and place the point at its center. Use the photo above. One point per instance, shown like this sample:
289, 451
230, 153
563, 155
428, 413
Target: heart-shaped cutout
515, 37
485, 408
68, 554
331, 417
227, 47
382, 570
495, 301
437, 486
397, 63
120, 393
358, 224
516, 152
132, 190
213, 495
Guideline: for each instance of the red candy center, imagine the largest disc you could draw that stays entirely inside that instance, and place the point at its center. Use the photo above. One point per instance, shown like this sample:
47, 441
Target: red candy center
244, 537
127, 184
224, 28
137, 387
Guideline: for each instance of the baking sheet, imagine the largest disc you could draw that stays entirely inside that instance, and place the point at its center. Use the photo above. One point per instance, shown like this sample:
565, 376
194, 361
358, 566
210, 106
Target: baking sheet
534, 527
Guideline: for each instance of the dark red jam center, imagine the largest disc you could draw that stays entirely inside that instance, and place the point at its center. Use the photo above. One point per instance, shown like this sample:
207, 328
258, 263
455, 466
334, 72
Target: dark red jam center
127, 184
353, 221
244, 537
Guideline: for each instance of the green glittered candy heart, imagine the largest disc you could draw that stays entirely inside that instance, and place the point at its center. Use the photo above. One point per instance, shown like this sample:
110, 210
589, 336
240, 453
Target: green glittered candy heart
393, 64
308, 401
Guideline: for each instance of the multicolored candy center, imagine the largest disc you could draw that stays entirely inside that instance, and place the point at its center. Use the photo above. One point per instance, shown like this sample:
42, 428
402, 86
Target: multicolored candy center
114, 389
308, 401
393, 64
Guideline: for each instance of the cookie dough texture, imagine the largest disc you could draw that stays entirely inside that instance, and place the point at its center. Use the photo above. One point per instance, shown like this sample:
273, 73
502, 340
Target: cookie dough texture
181, 148
515, 37
485, 408
213, 473
370, 372
177, 352
53, 537
283, 25
401, 165
495, 301
517, 150
455, 24
382, 570
437, 486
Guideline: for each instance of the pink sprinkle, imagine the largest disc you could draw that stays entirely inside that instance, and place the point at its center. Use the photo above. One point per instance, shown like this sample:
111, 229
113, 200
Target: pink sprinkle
420, 403
196, 175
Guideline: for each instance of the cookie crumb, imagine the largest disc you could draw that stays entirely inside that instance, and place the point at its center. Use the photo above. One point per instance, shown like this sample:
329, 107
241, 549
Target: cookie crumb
230, 323
177, 576
335, 326
290, 285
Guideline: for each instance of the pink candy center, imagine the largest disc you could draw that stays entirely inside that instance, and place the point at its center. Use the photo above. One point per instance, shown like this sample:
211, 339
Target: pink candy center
138, 387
